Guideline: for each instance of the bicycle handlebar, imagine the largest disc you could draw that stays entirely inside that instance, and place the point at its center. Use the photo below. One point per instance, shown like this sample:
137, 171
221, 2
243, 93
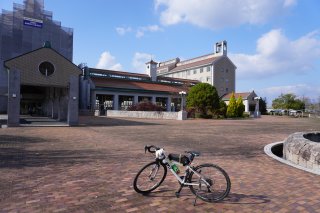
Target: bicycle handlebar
151, 149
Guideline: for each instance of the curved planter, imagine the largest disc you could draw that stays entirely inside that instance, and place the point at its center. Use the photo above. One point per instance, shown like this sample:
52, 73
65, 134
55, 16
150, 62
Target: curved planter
303, 149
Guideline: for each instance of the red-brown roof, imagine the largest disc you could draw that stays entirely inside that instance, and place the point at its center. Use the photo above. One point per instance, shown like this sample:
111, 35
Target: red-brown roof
178, 79
136, 85
244, 95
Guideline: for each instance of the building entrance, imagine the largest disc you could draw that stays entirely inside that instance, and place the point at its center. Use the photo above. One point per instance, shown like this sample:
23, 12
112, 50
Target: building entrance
32, 100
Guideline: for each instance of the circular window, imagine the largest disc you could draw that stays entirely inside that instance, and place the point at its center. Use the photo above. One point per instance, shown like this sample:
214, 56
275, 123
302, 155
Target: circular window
46, 68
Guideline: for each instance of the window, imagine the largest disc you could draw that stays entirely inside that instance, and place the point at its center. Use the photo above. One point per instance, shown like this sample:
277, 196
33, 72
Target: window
227, 80
201, 70
46, 68
208, 79
208, 69
227, 89
194, 71
227, 70
222, 79
188, 72
221, 70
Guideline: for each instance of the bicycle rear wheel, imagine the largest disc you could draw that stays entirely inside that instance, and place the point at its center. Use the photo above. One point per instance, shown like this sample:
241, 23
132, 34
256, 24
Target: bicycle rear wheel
149, 177
214, 183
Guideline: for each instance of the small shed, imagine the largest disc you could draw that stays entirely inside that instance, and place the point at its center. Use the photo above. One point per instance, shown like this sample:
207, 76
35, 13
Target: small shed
247, 98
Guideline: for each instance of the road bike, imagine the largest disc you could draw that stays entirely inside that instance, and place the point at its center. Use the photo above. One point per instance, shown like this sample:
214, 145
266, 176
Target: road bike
208, 182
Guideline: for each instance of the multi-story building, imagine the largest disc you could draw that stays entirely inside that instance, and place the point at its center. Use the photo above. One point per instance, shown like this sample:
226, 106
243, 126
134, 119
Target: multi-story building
25, 29
215, 68
118, 90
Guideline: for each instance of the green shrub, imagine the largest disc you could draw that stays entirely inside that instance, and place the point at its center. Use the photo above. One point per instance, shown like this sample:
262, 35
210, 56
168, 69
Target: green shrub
232, 111
240, 107
145, 106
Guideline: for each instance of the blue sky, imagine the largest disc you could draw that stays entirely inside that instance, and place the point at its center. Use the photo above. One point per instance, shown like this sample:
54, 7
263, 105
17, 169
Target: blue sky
275, 44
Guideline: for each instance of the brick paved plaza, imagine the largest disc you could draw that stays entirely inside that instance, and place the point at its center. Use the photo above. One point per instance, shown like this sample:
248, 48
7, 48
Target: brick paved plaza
90, 168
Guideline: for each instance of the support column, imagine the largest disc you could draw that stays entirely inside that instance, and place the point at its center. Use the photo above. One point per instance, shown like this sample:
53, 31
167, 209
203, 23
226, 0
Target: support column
14, 98
136, 99
63, 106
116, 102
153, 100
169, 104
55, 104
93, 100
73, 102
49, 108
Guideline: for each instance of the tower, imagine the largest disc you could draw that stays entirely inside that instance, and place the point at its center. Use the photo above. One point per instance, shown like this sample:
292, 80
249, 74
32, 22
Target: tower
151, 70
221, 48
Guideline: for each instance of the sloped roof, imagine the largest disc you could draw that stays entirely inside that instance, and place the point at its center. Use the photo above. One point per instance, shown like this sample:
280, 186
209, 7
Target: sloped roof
137, 85
244, 95
122, 73
183, 80
195, 64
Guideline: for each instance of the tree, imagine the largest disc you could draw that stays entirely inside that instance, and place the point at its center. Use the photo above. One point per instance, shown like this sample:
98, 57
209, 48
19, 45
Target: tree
263, 106
288, 101
203, 97
232, 107
223, 109
240, 107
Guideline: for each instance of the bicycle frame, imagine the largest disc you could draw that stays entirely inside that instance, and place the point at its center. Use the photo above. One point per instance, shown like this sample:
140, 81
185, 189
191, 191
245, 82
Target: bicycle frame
185, 176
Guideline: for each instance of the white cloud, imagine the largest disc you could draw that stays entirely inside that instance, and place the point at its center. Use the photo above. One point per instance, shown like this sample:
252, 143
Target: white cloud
300, 90
151, 28
123, 30
108, 61
278, 55
216, 14
289, 3
139, 34
139, 61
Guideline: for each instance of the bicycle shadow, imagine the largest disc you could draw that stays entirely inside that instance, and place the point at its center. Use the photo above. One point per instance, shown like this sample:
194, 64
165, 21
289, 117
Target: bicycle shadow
235, 198
161, 193
232, 198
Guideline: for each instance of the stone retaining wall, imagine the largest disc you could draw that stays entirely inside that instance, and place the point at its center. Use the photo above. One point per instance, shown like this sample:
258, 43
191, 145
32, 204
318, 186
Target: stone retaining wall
142, 114
302, 151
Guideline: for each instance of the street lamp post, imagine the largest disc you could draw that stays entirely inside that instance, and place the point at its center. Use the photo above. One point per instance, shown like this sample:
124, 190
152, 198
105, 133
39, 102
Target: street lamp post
257, 113
182, 114
182, 93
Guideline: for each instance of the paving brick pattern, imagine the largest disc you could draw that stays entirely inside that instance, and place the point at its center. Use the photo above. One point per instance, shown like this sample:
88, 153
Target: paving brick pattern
90, 168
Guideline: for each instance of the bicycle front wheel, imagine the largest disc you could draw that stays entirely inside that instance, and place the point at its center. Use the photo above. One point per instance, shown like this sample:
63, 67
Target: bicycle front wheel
149, 177
213, 183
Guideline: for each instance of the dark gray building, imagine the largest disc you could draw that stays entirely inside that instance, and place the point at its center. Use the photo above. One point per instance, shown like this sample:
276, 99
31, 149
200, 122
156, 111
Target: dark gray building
25, 29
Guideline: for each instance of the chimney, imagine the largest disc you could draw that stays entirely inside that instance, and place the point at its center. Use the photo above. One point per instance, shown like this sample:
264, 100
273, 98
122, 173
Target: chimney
221, 48
151, 70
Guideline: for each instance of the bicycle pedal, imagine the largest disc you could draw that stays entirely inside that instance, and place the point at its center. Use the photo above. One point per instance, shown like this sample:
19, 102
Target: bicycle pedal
177, 194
